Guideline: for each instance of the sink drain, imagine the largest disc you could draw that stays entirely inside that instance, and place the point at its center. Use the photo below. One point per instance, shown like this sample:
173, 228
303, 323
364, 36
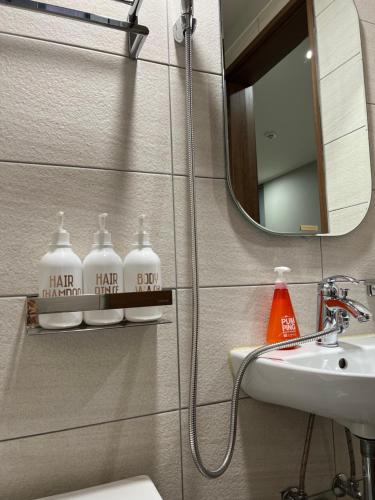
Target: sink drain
343, 363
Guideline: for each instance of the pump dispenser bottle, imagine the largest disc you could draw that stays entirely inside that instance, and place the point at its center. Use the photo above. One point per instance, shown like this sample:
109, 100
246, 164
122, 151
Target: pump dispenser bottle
102, 274
142, 273
282, 323
60, 275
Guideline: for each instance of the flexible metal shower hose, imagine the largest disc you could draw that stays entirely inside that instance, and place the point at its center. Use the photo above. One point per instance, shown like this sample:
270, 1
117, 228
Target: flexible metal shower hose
214, 473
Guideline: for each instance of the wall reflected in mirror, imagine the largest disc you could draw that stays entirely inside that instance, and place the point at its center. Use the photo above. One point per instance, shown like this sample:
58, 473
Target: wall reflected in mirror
299, 158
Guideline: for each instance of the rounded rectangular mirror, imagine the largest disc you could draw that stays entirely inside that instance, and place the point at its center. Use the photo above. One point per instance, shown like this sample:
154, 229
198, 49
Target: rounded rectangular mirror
298, 147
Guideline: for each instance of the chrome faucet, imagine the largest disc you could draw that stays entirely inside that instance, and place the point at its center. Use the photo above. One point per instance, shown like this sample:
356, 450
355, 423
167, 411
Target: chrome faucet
335, 308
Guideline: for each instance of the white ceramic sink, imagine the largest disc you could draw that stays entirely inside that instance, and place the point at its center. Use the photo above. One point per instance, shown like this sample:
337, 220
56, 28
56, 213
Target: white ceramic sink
310, 378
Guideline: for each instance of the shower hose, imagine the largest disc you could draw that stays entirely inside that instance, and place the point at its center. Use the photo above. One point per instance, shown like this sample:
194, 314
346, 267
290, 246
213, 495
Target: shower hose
193, 437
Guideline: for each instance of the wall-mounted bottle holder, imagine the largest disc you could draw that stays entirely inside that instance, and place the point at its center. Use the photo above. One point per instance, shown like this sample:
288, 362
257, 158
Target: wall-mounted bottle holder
37, 305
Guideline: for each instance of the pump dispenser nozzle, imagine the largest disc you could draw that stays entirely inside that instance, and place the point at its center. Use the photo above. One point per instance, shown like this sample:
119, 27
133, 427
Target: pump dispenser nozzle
280, 273
103, 236
61, 237
143, 237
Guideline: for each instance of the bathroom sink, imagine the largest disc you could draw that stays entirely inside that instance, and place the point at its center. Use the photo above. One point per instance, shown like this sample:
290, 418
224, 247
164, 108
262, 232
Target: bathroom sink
337, 383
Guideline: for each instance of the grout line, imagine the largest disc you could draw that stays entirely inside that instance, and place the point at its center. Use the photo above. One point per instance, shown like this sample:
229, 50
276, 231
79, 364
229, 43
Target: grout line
88, 426
208, 287
219, 402
100, 51
176, 272
325, 8
214, 287
350, 206
345, 135
368, 22
341, 65
89, 167
115, 421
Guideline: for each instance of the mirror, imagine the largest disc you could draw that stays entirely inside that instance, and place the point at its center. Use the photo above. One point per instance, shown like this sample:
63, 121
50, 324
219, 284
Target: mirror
298, 147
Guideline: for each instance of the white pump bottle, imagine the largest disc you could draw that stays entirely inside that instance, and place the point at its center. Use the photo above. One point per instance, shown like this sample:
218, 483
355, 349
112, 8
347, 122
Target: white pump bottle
60, 275
142, 273
102, 274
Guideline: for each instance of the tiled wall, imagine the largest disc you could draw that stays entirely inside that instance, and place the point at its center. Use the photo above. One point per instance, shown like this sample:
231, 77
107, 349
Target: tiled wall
84, 129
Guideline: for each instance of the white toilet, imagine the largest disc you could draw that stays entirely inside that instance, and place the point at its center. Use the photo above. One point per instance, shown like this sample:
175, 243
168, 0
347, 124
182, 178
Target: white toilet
135, 488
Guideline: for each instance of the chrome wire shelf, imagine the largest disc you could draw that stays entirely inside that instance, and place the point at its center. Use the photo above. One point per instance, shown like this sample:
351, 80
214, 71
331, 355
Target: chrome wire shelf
83, 328
137, 33
38, 305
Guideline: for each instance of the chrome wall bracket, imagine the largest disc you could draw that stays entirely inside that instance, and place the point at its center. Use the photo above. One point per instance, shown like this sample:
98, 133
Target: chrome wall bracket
137, 33
37, 305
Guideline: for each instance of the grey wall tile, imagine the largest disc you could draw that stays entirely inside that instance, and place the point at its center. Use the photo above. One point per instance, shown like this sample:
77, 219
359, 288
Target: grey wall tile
70, 106
257, 472
338, 35
67, 461
231, 250
32, 195
207, 38
33, 24
208, 123
346, 185
231, 317
54, 382
344, 85
352, 254
346, 219
368, 37
320, 5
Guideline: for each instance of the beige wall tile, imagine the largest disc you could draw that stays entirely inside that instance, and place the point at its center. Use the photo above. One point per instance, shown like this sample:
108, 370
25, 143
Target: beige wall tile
320, 5
32, 195
368, 37
231, 250
68, 106
67, 461
231, 317
343, 101
366, 10
207, 38
34, 24
346, 219
352, 254
256, 473
208, 123
348, 171
338, 35
54, 382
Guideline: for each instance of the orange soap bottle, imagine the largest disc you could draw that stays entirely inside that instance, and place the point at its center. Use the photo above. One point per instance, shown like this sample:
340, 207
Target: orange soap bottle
282, 323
